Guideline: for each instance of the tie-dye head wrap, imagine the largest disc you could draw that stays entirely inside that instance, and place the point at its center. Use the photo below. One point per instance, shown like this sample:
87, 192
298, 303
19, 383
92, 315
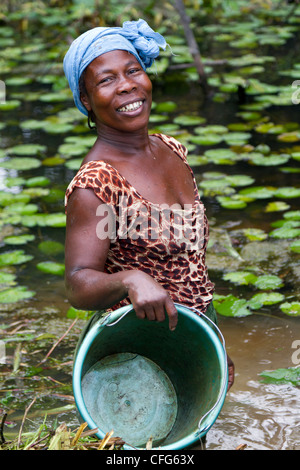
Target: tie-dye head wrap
135, 37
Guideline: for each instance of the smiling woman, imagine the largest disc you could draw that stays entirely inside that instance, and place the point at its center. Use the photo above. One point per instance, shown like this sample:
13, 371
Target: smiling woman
117, 88
160, 264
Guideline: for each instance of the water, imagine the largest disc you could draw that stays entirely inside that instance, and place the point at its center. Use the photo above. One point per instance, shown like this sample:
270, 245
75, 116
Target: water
262, 416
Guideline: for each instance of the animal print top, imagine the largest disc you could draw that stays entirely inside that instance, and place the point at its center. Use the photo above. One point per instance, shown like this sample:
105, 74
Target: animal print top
168, 243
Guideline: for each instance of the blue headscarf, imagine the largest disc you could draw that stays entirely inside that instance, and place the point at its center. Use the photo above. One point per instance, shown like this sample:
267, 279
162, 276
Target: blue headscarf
135, 37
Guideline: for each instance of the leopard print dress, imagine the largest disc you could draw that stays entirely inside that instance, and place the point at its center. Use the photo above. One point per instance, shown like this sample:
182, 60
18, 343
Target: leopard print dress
168, 243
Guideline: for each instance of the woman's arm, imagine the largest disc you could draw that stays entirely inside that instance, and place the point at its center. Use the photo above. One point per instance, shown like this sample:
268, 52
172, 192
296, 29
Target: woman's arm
88, 286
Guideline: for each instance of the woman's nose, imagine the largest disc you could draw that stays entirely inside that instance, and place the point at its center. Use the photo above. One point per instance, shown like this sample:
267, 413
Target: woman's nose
126, 84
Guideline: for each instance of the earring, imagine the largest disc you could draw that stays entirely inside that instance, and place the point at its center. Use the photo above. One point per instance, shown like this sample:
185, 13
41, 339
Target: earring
90, 118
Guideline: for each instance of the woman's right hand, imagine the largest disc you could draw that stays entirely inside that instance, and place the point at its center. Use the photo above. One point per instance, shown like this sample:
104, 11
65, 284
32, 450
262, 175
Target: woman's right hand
149, 299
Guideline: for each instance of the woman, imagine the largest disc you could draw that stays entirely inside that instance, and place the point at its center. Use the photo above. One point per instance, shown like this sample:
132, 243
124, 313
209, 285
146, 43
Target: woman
136, 228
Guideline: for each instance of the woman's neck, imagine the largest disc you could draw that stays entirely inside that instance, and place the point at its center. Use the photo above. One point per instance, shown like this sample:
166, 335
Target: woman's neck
124, 142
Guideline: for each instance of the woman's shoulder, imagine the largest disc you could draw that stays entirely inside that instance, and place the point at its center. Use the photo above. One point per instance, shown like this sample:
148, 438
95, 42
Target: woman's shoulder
173, 144
101, 177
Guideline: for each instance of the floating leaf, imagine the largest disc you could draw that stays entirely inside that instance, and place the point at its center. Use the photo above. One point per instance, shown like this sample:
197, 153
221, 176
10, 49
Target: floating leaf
287, 192
21, 208
266, 298
166, 106
285, 232
15, 294
269, 160
295, 246
44, 220
50, 267
209, 139
18, 239
291, 308
239, 180
21, 164
189, 120
26, 149
37, 181
7, 278
231, 306
282, 376
277, 206
14, 257
240, 278
10, 105
292, 215
268, 282
255, 234
63, 95
51, 247
258, 192
231, 202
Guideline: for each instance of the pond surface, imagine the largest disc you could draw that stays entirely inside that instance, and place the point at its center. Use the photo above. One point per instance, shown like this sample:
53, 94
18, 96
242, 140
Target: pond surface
260, 333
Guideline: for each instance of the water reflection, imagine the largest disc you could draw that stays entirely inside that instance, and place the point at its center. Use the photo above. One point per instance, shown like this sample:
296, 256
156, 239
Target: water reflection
265, 417
262, 416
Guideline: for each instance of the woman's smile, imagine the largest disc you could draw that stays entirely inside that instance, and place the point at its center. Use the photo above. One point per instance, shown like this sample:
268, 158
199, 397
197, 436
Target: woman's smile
131, 107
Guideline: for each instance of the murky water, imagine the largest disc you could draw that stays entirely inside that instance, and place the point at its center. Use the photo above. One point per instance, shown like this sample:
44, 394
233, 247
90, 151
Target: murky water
260, 415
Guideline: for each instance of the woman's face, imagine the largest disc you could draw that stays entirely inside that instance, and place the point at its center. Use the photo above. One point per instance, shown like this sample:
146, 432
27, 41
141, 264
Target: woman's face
119, 91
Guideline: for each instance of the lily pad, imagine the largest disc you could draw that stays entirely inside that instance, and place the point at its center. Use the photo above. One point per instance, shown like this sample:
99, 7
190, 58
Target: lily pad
291, 308
282, 376
295, 246
231, 306
166, 107
265, 298
285, 232
292, 215
26, 149
269, 160
7, 278
189, 120
258, 192
255, 234
15, 294
50, 267
231, 203
240, 278
44, 220
287, 192
14, 258
10, 105
18, 239
50, 247
21, 164
268, 282
209, 139
37, 181
277, 206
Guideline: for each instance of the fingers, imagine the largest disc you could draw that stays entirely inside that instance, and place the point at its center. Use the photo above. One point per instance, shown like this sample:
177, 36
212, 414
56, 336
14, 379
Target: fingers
172, 314
156, 312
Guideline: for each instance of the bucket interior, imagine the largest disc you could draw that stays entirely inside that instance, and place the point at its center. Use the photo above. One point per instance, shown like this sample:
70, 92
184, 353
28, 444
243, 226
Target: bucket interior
179, 372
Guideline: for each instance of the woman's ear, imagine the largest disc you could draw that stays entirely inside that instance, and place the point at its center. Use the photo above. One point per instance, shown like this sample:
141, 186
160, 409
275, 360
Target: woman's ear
85, 101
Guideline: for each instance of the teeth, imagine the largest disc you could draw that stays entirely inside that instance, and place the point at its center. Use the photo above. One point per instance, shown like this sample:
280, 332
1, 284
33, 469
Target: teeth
131, 106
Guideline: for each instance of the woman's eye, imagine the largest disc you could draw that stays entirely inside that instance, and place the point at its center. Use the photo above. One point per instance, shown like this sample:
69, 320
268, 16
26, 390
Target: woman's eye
104, 80
134, 70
